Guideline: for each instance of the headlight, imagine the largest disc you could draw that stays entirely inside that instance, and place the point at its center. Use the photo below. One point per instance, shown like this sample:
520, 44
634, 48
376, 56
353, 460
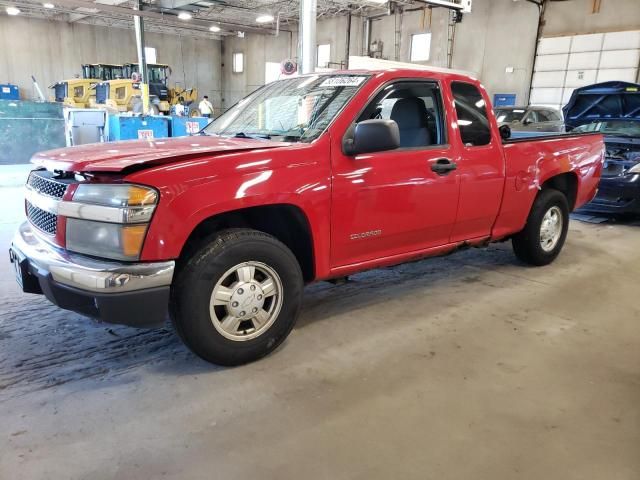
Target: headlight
108, 221
634, 169
108, 240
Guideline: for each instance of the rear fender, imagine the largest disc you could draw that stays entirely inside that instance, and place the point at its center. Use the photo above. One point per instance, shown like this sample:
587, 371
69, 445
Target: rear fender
533, 164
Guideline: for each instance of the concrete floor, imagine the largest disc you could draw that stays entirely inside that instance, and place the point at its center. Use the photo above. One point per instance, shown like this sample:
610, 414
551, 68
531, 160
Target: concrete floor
468, 367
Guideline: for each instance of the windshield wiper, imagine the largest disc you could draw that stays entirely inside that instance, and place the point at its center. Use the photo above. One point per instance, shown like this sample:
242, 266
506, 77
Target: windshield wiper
251, 135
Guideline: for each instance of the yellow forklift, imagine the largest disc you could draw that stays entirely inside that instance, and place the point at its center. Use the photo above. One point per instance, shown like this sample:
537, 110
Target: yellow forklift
80, 92
124, 94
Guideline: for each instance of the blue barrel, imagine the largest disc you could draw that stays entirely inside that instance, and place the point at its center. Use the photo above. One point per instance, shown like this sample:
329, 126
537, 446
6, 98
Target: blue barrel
185, 126
123, 127
9, 92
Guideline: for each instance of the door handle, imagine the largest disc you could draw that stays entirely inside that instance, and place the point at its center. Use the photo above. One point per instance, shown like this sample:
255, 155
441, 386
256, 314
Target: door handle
443, 166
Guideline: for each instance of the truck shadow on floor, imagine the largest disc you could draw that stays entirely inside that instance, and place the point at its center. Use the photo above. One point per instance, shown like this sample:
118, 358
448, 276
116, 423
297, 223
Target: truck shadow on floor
43, 347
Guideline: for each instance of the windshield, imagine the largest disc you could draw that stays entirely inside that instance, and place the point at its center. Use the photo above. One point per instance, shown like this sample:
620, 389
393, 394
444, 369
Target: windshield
510, 115
156, 74
102, 72
624, 128
295, 109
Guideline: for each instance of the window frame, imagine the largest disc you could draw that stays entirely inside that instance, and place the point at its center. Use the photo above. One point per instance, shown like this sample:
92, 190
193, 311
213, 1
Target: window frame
413, 35
532, 115
318, 55
549, 114
446, 143
491, 129
147, 54
233, 62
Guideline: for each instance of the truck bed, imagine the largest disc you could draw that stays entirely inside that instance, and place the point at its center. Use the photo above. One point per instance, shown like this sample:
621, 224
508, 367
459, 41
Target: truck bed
530, 162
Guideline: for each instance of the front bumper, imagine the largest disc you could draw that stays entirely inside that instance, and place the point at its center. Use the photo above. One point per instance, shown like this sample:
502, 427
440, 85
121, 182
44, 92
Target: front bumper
135, 294
617, 195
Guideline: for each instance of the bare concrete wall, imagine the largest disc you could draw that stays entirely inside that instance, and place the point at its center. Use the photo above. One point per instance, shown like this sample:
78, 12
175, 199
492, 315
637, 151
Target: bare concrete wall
498, 35
257, 49
333, 31
53, 51
577, 17
395, 32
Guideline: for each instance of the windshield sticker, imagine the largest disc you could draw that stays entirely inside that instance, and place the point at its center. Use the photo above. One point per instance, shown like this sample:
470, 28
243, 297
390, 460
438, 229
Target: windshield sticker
343, 81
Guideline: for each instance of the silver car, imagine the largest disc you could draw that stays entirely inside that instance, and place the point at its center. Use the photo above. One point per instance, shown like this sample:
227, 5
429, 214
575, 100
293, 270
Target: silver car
530, 119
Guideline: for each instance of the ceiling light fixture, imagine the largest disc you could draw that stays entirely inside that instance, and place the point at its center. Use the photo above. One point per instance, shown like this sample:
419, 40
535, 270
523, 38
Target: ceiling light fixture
48, 5
214, 28
184, 16
264, 18
12, 11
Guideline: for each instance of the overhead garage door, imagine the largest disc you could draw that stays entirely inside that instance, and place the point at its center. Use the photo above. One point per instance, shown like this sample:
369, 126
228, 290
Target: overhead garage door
566, 63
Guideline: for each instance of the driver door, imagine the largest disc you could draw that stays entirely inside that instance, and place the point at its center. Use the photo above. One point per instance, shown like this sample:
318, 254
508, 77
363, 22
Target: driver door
396, 202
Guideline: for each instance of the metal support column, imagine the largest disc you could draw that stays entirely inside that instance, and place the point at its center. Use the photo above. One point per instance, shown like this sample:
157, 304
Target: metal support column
366, 47
348, 42
142, 58
307, 36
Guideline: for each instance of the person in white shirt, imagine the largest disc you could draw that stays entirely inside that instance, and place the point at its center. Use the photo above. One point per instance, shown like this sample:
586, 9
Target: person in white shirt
205, 107
178, 108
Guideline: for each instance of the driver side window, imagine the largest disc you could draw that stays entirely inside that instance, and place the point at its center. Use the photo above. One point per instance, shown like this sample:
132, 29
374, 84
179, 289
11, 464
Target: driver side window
532, 117
416, 107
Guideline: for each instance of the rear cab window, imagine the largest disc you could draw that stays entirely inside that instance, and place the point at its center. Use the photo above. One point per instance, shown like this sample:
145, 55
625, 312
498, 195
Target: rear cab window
471, 109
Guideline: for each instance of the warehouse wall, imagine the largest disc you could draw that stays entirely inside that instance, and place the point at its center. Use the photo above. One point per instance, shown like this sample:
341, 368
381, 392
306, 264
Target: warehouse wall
257, 49
577, 17
53, 51
499, 35
395, 32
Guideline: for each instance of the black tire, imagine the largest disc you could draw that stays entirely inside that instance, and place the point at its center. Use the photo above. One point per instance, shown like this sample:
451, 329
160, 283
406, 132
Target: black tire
526, 244
193, 286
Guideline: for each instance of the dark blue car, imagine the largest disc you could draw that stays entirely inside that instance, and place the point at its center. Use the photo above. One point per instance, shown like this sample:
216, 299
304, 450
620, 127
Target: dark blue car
612, 108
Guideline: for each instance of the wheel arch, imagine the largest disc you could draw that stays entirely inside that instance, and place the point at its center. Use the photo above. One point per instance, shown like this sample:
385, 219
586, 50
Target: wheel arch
567, 183
286, 222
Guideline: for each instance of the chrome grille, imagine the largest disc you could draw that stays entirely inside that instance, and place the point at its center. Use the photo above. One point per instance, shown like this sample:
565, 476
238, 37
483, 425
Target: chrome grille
40, 182
44, 221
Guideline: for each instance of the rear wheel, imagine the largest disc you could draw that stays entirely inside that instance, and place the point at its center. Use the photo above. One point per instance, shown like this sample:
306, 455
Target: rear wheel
237, 297
543, 237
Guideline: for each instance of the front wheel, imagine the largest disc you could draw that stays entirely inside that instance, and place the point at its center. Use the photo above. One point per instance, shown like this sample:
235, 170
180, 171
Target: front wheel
237, 297
542, 238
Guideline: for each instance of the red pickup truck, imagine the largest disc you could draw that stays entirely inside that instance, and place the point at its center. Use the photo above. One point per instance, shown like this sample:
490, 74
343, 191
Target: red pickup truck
309, 178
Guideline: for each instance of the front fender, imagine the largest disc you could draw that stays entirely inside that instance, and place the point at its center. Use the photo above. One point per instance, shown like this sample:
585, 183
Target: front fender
197, 189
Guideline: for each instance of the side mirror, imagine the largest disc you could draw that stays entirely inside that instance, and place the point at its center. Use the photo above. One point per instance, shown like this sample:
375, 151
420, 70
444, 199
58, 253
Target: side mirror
527, 121
505, 132
371, 136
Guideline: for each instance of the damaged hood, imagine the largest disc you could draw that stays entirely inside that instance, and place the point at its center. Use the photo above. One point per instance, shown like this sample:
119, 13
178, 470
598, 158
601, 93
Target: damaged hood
602, 102
118, 156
